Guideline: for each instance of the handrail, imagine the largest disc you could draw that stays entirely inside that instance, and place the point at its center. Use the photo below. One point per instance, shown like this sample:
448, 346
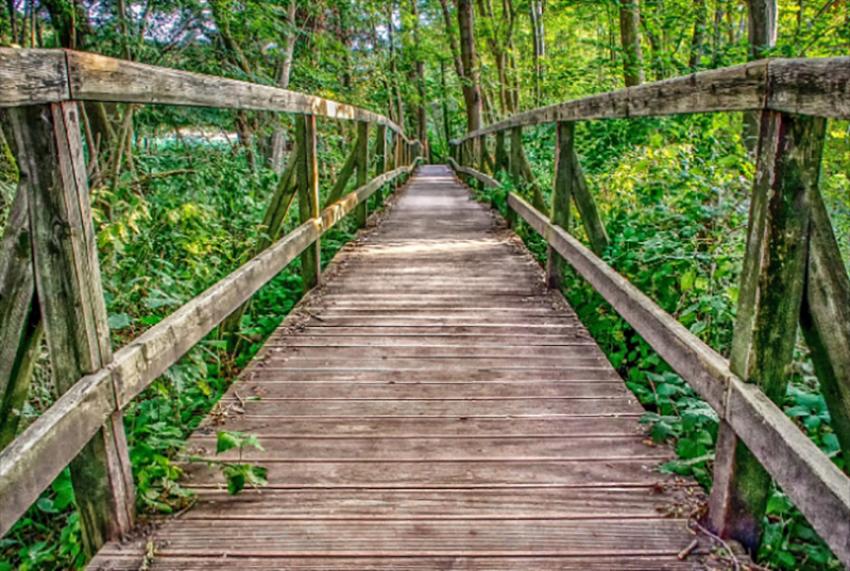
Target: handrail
813, 482
808, 86
33, 460
37, 76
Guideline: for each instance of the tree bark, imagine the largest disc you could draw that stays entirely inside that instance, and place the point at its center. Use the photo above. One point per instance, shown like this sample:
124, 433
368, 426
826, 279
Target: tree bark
471, 78
630, 39
284, 71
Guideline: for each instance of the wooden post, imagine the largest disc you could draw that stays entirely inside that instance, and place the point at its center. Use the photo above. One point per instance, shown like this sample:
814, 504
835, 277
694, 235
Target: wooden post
308, 195
563, 190
502, 161
516, 154
361, 213
20, 318
482, 153
825, 321
769, 301
586, 206
380, 158
67, 277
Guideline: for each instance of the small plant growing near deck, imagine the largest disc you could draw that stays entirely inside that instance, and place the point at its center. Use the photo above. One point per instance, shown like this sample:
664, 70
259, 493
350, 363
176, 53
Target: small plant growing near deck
239, 474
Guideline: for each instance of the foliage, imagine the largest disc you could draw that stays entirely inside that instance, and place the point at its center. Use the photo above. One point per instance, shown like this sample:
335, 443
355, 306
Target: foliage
675, 207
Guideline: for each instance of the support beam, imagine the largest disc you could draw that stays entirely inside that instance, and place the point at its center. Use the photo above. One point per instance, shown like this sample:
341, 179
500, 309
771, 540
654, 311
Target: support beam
771, 293
361, 213
341, 182
561, 196
67, 277
587, 209
825, 321
308, 195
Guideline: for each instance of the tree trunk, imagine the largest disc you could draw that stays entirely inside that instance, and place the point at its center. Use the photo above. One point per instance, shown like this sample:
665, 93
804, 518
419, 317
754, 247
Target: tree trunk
630, 39
761, 29
419, 76
698, 38
471, 78
278, 145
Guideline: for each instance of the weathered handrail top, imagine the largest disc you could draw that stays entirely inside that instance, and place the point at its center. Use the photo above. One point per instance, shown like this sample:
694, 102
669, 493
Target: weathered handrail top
34, 76
809, 86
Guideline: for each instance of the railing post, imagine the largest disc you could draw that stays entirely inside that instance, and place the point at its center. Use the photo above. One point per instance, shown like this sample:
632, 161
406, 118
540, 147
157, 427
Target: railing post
482, 153
561, 195
825, 321
769, 301
502, 161
380, 157
308, 195
516, 154
361, 213
70, 295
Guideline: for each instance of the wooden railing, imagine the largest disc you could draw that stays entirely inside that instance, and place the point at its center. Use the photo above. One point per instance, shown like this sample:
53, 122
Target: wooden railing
49, 248
792, 274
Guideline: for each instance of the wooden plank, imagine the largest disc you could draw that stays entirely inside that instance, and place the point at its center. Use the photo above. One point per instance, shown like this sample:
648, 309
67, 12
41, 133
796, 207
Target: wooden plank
600, 425
67, 274
514, 449
114, 562
435, 537
419, 408
810, 86
95, 77
32, 76
735, 88
269, 386
422, 504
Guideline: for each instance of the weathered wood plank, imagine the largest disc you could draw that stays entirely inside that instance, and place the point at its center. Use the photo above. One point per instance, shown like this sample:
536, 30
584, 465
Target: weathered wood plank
116, 562
810, 86
633, 471
95, 77
32, 76
734, 88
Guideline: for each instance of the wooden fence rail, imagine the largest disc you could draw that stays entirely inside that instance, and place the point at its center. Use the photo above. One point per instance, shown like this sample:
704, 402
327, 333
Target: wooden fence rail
793, 273
49, 263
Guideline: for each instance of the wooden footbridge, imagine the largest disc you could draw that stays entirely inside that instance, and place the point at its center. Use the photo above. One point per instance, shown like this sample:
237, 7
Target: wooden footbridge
433, 402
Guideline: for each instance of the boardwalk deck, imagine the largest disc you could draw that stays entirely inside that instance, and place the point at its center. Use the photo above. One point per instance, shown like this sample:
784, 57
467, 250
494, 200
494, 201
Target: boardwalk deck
432, 406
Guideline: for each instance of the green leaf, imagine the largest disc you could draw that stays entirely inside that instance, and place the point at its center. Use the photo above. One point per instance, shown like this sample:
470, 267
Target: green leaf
119, 321
226, 441
686, 281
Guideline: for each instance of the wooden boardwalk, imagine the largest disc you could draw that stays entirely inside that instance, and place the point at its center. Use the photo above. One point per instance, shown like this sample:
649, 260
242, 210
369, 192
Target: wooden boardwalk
432, 406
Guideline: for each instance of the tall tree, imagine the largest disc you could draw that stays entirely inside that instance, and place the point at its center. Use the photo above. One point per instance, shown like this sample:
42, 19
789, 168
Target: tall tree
630, 40
419, 79
761, 30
